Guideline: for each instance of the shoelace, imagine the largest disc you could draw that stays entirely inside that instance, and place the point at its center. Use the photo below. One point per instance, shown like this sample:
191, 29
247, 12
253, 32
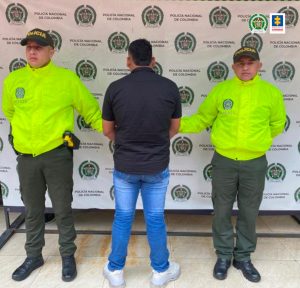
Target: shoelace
250, 265
68, 260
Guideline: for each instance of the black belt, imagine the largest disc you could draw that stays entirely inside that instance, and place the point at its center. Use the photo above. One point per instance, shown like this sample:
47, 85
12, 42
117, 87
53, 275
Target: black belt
25, 154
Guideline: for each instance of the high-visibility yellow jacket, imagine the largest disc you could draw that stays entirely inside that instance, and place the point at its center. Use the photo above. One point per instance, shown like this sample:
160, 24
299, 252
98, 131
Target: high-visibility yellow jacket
39, 104
245, 117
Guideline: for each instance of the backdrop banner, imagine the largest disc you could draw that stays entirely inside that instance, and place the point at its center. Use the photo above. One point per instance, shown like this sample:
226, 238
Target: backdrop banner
193, 42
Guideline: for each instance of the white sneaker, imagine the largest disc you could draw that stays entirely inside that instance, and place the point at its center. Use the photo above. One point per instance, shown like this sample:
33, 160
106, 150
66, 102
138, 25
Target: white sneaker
115, 278
160, 279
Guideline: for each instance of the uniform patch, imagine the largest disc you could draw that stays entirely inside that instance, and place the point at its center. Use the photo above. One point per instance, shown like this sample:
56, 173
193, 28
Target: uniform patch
227, 104
20, 93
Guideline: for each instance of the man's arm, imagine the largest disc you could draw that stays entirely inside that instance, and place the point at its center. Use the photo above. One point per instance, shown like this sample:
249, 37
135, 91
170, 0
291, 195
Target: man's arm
7, 104
177, 113
86, 104
174, 127
109, 129
108, 118
203, 118
278, 115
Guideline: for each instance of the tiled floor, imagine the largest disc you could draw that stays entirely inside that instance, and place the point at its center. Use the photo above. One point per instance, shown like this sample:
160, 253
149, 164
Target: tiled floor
278, 259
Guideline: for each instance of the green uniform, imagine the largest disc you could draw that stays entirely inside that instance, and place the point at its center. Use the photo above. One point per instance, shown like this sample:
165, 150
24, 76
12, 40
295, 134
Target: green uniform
245, 117
39, 104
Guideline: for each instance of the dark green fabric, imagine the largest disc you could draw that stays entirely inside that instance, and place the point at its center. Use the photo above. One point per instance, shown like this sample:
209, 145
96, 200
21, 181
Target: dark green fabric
242, 181
53, 169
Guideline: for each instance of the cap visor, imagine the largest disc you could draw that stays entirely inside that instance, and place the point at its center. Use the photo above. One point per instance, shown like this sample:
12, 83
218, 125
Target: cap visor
237, 58
38, 41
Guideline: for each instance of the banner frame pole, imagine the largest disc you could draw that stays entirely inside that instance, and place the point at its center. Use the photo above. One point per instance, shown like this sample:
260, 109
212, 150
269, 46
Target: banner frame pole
12, 228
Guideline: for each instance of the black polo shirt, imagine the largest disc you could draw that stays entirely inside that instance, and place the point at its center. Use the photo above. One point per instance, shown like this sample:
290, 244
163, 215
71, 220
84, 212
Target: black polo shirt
142, 105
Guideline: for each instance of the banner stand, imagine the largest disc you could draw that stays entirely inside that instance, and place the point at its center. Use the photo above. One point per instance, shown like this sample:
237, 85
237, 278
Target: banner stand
193, 43
297, 218
11, 228
14, 227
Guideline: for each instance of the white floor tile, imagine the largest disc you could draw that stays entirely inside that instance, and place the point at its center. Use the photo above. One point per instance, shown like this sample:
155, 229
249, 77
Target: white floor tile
281, 224
192, 247
271, 249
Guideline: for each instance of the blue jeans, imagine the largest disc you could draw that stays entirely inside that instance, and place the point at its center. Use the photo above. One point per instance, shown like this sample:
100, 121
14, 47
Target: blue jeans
153, 191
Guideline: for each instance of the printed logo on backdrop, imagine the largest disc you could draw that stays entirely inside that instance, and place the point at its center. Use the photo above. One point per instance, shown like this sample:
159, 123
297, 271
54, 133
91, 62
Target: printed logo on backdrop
85, 15
219, 17
299, 147
182, 146
181, 193
112, 193
82, 125
297, 195
291, 16
20, 92
227, 104
283, 71
89, 170
152, 16
258, 23
217, 71
275, 172
158, 68
1, 144
186, 96
118, 42
16, 14
57, 40
4, 190
86, 70
16, 64
185, 43
207, 172
111, 146
277, 23
287, 123
252, 40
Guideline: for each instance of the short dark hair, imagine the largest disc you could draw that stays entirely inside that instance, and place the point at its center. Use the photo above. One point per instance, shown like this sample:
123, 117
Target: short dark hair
141, 52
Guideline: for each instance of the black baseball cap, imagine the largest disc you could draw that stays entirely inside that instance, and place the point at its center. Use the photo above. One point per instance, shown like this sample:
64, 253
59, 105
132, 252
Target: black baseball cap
39, 36
245, 51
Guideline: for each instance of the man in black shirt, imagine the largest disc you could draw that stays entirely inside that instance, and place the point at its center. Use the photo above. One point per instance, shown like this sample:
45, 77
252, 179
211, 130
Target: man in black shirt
141, 112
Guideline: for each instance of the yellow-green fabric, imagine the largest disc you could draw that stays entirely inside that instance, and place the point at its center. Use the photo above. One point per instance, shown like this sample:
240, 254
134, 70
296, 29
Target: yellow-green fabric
245, 117
39, 104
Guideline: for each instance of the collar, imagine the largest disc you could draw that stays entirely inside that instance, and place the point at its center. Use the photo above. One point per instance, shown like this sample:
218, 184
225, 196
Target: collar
142, 68
247, 83
43, 71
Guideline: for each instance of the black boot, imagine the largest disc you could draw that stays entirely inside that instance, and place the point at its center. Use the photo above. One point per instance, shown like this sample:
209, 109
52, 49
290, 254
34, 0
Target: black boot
69, 271
249, 271
221, 268
30, 264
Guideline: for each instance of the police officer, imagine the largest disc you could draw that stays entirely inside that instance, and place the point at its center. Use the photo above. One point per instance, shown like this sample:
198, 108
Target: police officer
39, 102
245, 113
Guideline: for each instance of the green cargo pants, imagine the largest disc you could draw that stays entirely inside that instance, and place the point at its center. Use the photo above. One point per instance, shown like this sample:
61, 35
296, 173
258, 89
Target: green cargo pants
242, 181
52, 170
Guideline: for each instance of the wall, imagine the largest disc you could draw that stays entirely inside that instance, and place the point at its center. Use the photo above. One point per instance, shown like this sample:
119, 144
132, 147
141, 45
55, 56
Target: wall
193, 43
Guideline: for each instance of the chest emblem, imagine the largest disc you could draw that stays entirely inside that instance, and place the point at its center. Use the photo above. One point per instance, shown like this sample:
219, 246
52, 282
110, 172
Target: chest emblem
227, 104
20, 93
